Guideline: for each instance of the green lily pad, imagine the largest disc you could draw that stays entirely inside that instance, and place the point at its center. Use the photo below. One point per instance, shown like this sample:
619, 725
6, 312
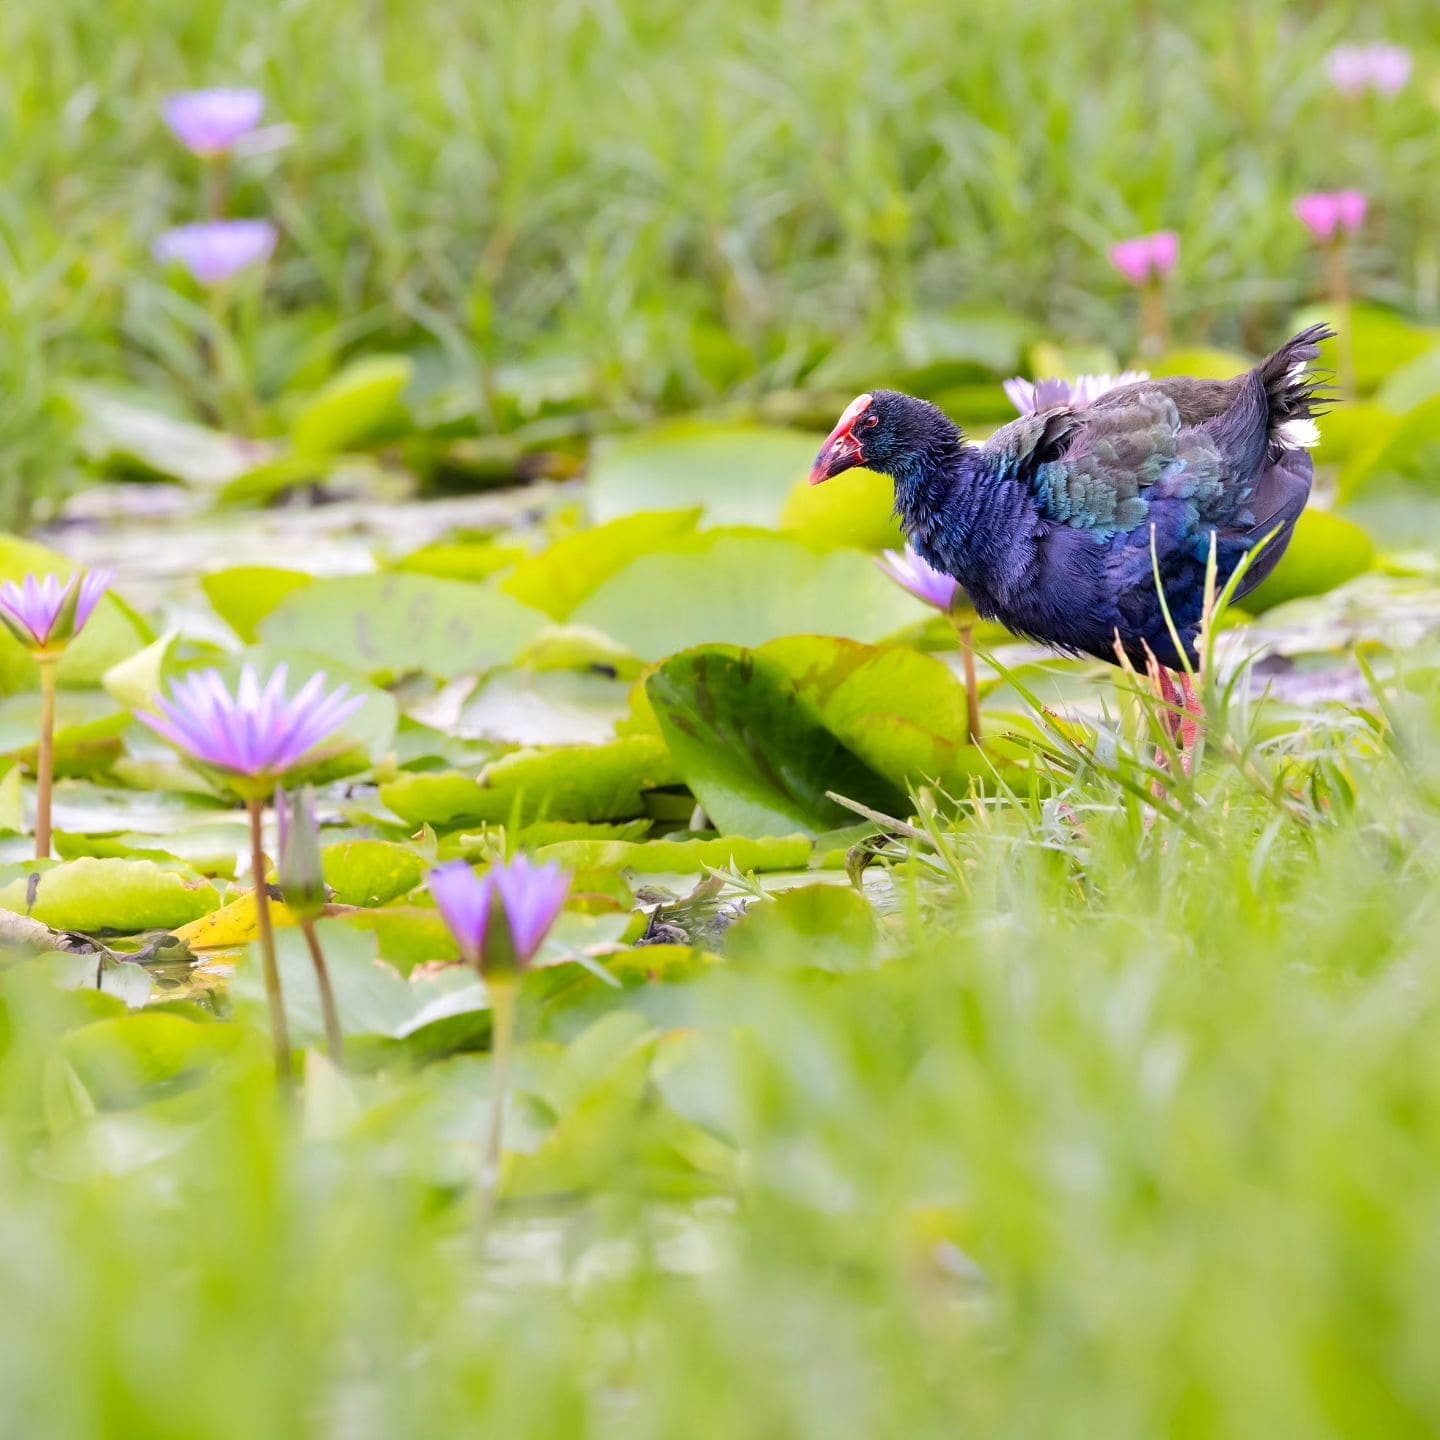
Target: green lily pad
820, 927
88, 727
757, 756
901, 712
246, 594
1406, 450
856, 509
389, 625
568, 782
545, 707
739, 474
121, 1061
370, 872
563, 574
682, 857
744, 588
126, 896
1326, 551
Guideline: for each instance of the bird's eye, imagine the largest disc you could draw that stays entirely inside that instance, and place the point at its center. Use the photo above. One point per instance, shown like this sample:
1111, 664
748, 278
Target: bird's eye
871, 421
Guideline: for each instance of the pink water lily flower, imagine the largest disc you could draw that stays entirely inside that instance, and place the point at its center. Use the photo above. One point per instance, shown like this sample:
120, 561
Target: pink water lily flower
216, 250
1146, 258
1328, 214
209, 122
1354, 69
46, 614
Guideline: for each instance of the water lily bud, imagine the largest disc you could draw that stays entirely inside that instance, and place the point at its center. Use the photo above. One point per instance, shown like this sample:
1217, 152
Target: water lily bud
301, 873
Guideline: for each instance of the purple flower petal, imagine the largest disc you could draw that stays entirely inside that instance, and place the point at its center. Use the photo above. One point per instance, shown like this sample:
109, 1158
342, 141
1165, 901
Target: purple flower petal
216, 250
38, 607
533, 895
211, 121
464, 901
257, 731
922, 580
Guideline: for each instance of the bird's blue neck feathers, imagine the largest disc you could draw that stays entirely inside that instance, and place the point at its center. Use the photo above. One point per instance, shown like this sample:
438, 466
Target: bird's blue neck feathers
960, 513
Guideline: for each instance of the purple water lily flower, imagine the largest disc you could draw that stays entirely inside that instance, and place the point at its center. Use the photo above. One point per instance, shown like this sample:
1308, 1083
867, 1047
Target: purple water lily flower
209, 122
1328, 214
215, 250
533, 896
257, 732
922, 580
530, 896
464, 901
1028, 396
46, 614
1353, 69
1146, 257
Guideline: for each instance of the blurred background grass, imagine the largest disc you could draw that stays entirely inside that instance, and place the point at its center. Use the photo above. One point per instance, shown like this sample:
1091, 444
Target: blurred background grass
667, 204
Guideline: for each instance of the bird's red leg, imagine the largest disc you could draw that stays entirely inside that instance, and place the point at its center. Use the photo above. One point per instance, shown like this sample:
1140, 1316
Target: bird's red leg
1169, 698
1189, 720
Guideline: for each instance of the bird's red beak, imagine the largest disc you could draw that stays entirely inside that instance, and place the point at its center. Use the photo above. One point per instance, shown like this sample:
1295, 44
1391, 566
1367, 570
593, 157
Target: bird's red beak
841, 451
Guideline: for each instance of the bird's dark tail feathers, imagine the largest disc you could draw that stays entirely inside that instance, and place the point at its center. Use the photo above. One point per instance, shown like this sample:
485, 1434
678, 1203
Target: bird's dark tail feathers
1293, 388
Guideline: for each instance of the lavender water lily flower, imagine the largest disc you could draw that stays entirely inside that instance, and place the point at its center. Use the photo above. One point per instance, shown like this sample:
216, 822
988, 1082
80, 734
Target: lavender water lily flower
1028, 396
217, 250
209, 122
912, 573
45, 615
529, 897
257, 733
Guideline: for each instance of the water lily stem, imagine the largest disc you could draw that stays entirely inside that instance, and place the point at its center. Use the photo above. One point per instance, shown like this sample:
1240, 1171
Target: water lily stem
274, 996
965, 631
45, 760
503, 994
1340, 298
334, 1035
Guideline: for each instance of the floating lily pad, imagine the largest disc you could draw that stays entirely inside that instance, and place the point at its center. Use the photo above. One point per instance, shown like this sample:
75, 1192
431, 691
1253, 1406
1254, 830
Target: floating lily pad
739, 474
1326, 551
370, 872
901, 712
743, 588
821, 927
388, 625
125, 896
245, 595
757, 756
122, 1061
569, 782
682, 857
855, 509
563, 574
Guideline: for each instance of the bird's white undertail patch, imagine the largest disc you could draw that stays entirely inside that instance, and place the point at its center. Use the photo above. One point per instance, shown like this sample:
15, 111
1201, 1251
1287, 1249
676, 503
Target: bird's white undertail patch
1298, 434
